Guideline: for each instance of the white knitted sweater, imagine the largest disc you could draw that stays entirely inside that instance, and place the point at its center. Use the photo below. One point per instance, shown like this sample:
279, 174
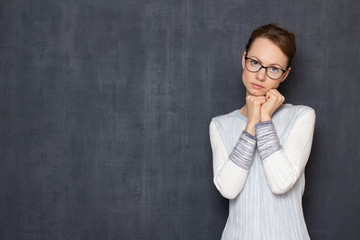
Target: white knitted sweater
263, 176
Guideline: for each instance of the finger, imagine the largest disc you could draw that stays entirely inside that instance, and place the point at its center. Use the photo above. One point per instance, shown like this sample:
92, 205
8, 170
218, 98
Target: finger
270, 94
274, 90
277, 93
258, 101
262, 100
254, 98
260, 97
279, 97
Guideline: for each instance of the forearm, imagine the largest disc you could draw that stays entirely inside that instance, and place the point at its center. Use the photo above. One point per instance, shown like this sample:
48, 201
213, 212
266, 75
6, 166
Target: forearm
284, 165
230, 171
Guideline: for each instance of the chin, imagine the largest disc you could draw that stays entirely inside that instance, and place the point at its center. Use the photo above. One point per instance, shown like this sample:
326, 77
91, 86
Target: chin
258, 93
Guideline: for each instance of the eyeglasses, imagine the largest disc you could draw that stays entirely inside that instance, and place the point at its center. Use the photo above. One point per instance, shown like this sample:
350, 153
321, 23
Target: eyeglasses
254, 66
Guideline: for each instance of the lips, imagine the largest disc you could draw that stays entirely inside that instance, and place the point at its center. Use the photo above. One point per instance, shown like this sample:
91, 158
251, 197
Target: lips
257, 86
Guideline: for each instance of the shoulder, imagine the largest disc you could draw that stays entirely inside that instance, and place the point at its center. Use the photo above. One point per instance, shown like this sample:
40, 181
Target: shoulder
299, 111
226, 118
293, 117
297, 115
226, 122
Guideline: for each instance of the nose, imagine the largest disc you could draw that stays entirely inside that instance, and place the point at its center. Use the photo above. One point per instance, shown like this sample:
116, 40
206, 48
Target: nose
261, 74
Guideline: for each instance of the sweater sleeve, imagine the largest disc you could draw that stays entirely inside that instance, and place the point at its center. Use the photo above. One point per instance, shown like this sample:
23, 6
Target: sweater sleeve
284, 165
231, 171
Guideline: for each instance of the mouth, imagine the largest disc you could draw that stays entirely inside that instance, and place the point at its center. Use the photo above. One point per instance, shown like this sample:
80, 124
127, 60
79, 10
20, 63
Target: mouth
257, 86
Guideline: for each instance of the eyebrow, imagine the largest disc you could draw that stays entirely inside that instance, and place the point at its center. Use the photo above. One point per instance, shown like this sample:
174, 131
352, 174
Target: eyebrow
271, 64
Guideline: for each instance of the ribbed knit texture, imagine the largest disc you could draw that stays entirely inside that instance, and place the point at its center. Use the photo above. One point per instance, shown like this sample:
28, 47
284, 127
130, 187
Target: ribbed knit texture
243, 153
266, 200
267, 140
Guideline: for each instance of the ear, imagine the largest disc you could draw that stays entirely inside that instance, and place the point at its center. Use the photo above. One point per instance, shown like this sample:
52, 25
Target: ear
285, 75
243, 60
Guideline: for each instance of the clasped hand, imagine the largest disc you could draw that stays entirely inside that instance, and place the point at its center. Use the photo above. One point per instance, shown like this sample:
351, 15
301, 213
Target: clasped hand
261, 108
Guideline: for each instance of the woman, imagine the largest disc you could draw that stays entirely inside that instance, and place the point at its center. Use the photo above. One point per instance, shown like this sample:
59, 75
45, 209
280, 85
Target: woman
260, 151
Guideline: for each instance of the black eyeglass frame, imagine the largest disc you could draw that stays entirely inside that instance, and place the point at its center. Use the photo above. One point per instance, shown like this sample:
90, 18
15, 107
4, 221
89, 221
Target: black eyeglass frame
266, 68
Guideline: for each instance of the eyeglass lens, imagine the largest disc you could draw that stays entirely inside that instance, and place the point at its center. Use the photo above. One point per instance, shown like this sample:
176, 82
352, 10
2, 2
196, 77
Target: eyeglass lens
255, 66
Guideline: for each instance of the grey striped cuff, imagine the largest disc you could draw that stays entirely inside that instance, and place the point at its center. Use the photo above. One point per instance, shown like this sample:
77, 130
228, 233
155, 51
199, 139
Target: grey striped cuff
243, 153
267, 139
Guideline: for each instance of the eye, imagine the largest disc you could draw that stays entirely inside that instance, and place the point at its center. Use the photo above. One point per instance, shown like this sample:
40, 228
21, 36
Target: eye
274, 70
254, 63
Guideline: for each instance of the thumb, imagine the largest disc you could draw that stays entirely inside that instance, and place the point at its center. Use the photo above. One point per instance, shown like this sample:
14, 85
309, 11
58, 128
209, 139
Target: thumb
263, 99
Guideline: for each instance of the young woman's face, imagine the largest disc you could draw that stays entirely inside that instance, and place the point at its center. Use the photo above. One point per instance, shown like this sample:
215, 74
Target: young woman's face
266, 53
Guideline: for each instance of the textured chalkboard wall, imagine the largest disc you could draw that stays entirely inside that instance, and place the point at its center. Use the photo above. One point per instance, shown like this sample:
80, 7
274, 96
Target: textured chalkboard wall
105, 108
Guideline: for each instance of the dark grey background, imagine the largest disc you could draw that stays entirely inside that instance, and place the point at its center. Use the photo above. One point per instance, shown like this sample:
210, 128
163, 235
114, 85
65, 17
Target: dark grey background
105, 108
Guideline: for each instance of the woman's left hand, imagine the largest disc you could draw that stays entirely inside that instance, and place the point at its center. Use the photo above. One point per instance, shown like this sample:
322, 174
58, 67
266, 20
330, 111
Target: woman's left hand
273, 101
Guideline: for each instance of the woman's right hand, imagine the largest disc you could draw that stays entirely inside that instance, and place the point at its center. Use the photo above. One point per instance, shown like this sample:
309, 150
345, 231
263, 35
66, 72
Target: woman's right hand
253, 104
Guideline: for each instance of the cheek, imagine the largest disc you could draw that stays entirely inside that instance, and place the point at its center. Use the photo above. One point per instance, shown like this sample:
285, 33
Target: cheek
244, 80
245, 77
276, 84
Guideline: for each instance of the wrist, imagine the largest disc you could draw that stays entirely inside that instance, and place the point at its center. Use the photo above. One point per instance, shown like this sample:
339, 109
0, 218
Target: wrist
265, 118
250, 128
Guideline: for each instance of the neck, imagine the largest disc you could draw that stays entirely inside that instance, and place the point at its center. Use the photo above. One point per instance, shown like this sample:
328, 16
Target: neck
244, 110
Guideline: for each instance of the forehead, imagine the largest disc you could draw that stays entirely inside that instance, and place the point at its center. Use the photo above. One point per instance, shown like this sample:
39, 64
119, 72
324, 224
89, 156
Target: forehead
267, 52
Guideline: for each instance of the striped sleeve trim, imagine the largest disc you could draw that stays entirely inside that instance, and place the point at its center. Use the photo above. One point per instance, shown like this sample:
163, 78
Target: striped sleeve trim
267, 139
243, 153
